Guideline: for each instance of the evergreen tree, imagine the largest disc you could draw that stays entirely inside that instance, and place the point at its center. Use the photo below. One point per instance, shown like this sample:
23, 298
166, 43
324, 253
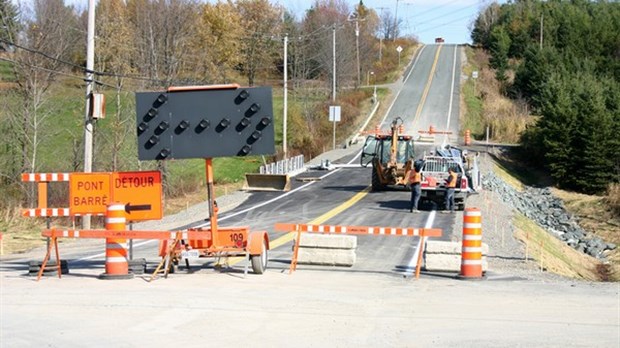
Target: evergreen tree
499, 46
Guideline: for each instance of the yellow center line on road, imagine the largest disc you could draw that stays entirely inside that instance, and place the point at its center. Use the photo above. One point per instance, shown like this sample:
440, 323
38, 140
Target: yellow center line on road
319, 220
428, 86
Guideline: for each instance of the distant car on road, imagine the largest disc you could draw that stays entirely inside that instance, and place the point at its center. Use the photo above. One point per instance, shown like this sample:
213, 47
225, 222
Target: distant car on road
439, 40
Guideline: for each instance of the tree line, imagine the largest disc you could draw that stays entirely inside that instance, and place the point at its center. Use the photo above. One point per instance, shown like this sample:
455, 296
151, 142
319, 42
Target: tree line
154, 44
563, 57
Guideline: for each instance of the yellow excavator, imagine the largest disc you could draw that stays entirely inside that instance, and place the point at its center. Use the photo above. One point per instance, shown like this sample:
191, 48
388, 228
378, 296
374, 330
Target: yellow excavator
391, 155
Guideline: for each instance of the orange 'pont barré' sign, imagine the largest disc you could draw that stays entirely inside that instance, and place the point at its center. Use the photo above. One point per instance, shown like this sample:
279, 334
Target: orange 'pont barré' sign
89, 193
141, 192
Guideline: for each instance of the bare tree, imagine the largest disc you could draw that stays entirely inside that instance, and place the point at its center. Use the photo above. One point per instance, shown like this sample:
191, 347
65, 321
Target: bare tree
45, 48
9, 23
262, 23
163, 32
114, 54
481, 27
331, 15
42, 51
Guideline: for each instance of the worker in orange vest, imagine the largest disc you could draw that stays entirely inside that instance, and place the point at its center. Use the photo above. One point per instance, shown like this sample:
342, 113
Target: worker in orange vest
450, 186
415, 179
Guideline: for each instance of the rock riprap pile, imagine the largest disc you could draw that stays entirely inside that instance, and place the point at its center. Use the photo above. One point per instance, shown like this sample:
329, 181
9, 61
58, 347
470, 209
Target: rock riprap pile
539, 205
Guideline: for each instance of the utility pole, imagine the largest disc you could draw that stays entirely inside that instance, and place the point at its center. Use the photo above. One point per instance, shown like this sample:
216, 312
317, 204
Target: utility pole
541, 31
357, 46
88, 121
334, 81
395, 20
334, 57
285, 95
381, 37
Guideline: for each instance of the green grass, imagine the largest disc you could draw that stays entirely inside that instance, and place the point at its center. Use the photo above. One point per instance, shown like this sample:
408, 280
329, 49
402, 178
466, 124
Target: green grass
515, 172
552, 253
473, 114
6, 72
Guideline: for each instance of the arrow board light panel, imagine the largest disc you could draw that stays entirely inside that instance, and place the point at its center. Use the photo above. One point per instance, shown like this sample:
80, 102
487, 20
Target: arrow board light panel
205, 123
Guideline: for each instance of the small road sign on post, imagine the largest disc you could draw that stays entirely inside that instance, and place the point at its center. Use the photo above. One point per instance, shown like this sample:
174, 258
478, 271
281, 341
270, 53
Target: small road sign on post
334, 116
399, 49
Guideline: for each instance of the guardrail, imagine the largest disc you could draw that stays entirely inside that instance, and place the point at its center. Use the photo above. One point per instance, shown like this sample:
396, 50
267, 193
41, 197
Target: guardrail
291, 166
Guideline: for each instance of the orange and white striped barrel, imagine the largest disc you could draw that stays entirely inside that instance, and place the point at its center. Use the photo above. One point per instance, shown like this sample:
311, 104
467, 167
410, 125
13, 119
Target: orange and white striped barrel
467, 137
116, 264
471, 253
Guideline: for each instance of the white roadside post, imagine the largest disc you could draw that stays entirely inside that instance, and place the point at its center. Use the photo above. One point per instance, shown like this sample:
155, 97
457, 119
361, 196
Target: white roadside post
334, 116
474, 76
374, 93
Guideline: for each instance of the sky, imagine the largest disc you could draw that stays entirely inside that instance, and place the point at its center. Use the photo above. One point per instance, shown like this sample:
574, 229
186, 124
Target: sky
426, 19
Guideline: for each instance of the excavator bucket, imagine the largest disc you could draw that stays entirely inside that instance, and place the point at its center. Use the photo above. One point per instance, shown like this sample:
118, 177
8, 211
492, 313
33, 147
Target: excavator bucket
267, 182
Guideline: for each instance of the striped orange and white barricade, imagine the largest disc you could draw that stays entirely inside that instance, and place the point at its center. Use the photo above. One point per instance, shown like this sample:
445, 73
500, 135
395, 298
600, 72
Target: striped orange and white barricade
471, 253
357, 230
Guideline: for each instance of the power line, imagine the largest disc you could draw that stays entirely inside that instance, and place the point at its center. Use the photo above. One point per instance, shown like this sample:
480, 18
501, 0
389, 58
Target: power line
31, 50
445, 15
444, 24
436, 8
55, 72
99, 73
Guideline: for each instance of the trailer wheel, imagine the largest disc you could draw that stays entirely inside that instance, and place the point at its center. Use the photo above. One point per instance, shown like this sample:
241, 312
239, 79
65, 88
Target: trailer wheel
259, 262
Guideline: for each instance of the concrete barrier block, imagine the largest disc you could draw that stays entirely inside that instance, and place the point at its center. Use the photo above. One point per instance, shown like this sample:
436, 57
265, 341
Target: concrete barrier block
441, 247
327, 241
326, 257
447, 263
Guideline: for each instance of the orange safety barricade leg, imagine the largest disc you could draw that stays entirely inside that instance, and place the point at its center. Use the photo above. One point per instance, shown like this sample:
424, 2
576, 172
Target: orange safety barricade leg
295, 253
53, 244
418, 266
471, 254
116, 263
167, 258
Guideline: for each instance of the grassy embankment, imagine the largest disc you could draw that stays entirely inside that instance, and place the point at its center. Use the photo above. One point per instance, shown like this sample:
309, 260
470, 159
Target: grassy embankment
481, 98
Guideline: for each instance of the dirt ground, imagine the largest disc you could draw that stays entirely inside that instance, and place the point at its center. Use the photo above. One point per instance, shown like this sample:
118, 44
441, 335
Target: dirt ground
305, 309
515, 305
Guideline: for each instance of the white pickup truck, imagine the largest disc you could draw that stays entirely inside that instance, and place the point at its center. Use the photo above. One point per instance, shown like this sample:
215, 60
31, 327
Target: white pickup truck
434, 171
